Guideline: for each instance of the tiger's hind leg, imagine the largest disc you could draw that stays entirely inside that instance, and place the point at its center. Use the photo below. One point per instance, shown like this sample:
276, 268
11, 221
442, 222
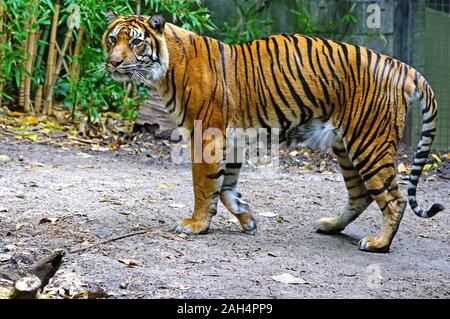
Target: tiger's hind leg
358, 197
231, 198
383, 188
378, 172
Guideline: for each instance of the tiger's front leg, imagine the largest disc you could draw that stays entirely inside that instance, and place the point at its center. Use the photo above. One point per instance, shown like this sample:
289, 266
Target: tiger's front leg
207, 178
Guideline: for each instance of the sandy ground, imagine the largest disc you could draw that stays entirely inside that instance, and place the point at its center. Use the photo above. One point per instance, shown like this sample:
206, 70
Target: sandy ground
54, 197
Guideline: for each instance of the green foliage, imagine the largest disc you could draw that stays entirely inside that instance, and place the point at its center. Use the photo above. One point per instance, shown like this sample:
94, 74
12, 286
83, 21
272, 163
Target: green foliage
188, 14
329, 28
251, 22
304, 22
95, 91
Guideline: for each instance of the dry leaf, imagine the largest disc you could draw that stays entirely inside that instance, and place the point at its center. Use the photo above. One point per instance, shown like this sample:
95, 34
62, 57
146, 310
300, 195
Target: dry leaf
6, 256
37, 164
111, 201
48, 220
268, 214
404, 169
178, 286
4, 158
130, 263
177, 205
88, 166
84, 155
182, 236
163, 185
289, 279
233, 221
30, 136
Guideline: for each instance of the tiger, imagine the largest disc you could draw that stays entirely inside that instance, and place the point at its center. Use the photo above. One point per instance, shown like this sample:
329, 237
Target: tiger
341, 95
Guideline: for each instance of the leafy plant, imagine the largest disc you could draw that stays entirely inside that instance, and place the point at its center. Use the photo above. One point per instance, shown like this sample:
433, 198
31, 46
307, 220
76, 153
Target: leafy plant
250, 24
305, 24
90, 91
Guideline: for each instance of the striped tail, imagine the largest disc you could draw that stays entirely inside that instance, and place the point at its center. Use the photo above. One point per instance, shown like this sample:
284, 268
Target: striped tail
429, 113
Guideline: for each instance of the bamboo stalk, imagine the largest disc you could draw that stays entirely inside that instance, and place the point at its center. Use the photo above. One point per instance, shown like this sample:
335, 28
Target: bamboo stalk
75, 66
51, 59
75, 70
38, 99
57, 70
31, 48
42, 47
22, 73
138, 7
2, 41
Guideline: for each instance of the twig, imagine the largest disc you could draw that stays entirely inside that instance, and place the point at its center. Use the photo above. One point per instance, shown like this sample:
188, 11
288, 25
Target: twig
81, 140
109, 240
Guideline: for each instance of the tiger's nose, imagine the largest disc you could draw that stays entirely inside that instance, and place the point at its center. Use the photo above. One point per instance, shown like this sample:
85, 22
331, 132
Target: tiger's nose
116, 61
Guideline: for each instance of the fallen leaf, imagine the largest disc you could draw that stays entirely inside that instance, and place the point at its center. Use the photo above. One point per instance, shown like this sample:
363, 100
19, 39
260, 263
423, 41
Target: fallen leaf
233, 221
437, 158
30, 136
182, 236
163, 185
268, 214
88, 166
16, 114
99, 148
424, 235
429, 167
37, 164
83, 155
129, 262
177, 205
4, 158
6, 256
289, 279
111, 201
51, 220
178, 286
404, 169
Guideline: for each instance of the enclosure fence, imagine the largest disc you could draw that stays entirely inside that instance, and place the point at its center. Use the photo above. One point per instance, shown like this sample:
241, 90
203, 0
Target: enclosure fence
431, 57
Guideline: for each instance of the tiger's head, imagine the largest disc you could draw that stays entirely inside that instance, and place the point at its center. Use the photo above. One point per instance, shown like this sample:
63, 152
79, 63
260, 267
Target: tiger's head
136, 48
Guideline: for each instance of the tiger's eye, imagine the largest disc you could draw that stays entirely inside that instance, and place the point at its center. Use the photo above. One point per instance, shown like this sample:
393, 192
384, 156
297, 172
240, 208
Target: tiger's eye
112, 39
136, 42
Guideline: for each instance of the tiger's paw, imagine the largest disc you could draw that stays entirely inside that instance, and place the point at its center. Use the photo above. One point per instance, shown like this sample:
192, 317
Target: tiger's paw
248, 223
373, 245
328, 225
190, 227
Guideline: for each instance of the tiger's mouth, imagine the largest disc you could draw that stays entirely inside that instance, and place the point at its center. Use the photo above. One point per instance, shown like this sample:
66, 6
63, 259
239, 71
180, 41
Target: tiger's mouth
119, 75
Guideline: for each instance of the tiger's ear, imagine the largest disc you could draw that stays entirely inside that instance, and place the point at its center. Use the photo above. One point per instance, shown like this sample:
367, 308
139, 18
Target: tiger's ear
111, 16
157, 22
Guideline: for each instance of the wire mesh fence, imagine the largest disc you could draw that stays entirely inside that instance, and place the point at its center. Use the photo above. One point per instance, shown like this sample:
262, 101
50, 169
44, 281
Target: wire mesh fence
431, 56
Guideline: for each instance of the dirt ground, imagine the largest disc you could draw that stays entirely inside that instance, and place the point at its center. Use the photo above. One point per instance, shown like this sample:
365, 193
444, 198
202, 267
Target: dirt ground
66, 198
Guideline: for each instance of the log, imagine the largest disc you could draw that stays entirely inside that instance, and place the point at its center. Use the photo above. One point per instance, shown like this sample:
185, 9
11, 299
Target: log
154, 119
27, 283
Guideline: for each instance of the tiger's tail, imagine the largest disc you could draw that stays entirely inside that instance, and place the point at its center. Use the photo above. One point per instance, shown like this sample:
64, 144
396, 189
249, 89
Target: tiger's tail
429, 114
